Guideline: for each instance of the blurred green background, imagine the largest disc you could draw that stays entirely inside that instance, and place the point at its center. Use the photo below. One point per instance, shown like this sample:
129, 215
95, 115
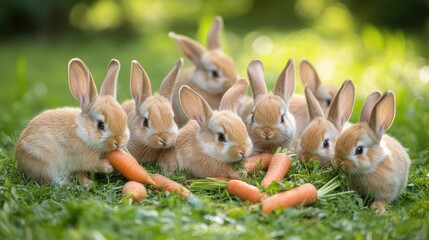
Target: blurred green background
380, 45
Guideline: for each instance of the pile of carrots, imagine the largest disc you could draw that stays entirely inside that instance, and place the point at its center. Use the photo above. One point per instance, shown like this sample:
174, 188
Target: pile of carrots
137, 175
277, 167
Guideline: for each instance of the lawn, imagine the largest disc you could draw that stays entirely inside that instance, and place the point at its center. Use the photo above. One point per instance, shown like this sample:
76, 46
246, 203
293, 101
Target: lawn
33, 75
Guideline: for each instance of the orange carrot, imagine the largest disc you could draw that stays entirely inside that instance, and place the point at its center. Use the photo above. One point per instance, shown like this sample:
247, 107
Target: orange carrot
135, 190
128, 166
164, 183
245, 191
278, 168
303, 195
262, 160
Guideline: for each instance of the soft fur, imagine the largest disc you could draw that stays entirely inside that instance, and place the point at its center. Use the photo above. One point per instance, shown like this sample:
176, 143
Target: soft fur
67, 141
381, 169
213, 72
147, 142
270, 124
319, 137
199, 147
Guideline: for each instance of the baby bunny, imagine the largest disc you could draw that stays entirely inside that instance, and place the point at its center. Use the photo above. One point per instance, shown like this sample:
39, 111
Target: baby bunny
151, 117
324, 94
319, 137
71, 141
212, 140
271, 125
376, 164
213, 72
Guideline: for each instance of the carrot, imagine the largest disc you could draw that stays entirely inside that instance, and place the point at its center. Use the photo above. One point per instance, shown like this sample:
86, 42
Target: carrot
164, 183
278, 168
135, 190
262, 160
303, 195
242, 190
245, 191
128, 166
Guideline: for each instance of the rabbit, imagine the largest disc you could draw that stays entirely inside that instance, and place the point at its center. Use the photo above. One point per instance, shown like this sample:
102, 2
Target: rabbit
318, 139
297, 103
69, 141
212, 141
213, 72
376, 164
270, 124
323, 93
151, 117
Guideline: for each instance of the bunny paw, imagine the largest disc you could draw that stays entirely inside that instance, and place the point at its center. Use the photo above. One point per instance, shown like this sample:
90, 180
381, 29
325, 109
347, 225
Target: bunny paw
105, 166
379, 206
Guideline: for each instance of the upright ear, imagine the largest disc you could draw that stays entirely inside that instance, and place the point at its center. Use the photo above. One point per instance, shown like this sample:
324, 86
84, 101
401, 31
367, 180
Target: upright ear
383, 114
342, 106
191, 48
285, 85
368, 105
214, 35
167, 85
255, 71
314, 108
111, 79
81, 83
194, 105
139, 84
232, 99
309, 75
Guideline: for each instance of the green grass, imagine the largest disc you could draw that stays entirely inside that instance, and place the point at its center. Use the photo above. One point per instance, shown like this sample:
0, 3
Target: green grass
34, 77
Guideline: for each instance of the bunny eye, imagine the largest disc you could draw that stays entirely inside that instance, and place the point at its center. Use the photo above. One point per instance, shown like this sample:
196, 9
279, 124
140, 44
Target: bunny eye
146, 122
252, 118
359, 150
215, 73
326, 143
282, 119
221, 137
328, 102
100, 125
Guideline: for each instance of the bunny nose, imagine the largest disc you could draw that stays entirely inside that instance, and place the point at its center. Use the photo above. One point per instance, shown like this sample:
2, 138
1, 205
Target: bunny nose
267, 133
242, 154
162, 142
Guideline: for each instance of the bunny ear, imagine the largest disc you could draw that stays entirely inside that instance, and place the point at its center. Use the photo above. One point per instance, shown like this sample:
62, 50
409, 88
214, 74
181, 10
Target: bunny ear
81, 83
285, 85
314, 108
167, 85
214, 36
309, 75
139, 83
255, 71
368, 105
194, 105
111, 79
192, 49
383, 114
342, 106
231, 99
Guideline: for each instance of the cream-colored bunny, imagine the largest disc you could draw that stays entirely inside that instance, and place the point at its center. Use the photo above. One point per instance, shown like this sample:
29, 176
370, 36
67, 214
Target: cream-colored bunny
150, 116
212, 140
376, 164
71, 141
213, 72
318, 139
270, 124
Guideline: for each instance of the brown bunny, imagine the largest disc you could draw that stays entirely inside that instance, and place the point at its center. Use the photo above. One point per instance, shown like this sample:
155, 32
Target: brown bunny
376, 164
71, 141
213, 72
